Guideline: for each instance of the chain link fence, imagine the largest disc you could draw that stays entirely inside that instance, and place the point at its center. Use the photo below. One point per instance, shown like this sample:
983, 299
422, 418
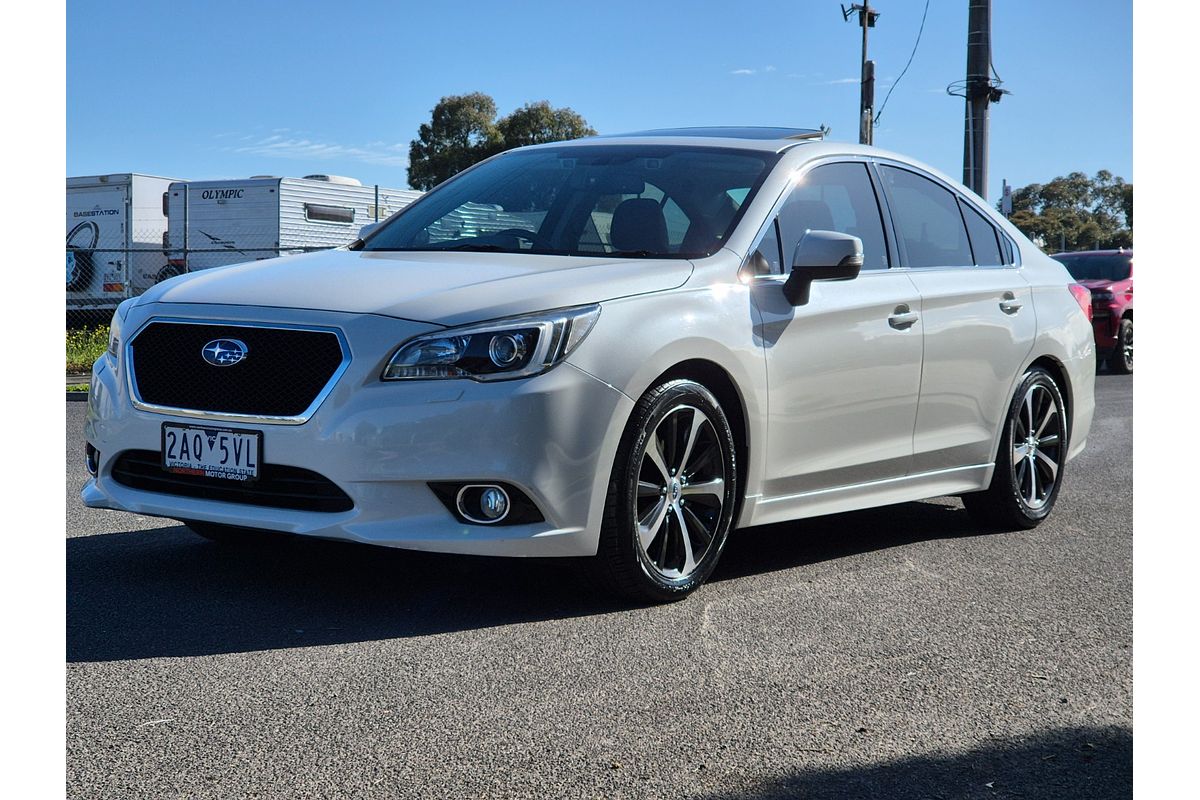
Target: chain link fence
98, 279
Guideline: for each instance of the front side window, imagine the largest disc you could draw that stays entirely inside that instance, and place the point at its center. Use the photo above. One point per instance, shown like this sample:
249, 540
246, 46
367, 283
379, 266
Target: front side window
766, 258
836, 197
928, 223
642, 201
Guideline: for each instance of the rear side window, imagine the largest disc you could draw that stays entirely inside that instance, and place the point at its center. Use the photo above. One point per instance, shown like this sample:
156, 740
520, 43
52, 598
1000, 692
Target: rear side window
836, 197
928, 223
983, 238
1009, 247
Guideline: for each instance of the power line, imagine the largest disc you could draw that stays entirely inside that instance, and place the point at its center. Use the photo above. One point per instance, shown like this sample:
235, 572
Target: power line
906, 66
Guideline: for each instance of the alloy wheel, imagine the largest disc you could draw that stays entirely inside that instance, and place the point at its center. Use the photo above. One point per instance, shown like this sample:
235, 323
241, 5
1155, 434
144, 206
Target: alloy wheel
680, 493
1037, 439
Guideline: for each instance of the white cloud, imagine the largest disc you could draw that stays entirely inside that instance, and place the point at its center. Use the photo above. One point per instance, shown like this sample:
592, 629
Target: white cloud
277, 146
841, 81
743, 72
769, 68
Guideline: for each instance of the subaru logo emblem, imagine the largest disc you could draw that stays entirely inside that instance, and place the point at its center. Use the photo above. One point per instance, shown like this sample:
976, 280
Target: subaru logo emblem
224, 352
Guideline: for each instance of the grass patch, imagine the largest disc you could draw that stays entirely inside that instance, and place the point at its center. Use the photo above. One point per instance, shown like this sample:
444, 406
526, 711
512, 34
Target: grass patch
84, 346
77, 387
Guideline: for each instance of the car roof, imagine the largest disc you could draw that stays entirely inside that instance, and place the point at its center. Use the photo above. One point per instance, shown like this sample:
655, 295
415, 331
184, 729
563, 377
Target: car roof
770, 139
759, 139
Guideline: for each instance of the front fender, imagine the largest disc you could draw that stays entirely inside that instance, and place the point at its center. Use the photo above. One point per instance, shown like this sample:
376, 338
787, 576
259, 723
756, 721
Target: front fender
638, 339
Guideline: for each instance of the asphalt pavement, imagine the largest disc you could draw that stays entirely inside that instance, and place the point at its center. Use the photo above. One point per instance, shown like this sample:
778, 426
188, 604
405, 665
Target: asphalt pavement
891, 653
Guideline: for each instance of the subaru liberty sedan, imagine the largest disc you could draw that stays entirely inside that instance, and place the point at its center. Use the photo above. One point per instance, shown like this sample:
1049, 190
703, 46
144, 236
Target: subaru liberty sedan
619, 348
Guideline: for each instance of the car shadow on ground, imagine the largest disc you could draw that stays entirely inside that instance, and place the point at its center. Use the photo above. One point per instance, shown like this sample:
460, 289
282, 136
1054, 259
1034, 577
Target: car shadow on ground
1082, 763
167, 592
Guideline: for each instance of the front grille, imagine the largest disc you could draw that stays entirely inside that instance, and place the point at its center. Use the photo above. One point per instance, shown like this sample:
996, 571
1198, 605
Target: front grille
283, 372
277, 486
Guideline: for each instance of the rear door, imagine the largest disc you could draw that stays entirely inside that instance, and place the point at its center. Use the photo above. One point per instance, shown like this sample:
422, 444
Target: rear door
843, 370
977, 314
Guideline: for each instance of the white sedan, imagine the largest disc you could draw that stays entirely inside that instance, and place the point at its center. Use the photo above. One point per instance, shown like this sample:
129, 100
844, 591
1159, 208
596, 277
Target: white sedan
619, 347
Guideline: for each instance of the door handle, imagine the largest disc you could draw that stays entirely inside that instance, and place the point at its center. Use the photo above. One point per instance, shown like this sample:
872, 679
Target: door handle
903, 317
1009, 303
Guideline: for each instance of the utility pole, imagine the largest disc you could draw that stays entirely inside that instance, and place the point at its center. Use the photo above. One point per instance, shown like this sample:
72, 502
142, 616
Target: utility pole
979, 91
866, 103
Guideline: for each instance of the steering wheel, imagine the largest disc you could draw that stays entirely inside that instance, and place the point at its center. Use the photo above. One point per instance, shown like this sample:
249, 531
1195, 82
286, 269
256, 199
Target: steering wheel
519, 233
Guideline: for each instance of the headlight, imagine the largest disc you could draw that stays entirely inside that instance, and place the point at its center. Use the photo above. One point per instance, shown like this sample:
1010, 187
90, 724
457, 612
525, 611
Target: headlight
503, 349
114, 331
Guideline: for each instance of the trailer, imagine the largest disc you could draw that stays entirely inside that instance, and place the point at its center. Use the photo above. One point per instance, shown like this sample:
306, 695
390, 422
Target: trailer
115, 229
214, 223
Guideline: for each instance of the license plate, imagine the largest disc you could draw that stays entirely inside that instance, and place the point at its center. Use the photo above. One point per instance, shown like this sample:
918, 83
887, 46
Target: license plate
211, 452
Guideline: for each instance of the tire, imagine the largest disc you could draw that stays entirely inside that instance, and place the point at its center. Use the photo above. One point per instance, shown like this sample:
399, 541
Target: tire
1121, 359
1026, 463
230, 534
676, 462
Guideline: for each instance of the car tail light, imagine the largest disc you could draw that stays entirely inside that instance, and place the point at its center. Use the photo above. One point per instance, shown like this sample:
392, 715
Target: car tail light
1082, 296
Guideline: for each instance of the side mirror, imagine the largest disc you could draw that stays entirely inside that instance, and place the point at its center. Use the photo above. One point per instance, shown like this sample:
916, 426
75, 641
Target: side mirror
366, 230
822, 256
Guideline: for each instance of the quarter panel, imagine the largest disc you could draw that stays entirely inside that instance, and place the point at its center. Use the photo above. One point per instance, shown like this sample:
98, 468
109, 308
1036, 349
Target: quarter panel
1064, 335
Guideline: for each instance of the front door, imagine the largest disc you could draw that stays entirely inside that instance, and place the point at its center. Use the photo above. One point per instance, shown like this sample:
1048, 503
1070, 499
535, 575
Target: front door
844, 370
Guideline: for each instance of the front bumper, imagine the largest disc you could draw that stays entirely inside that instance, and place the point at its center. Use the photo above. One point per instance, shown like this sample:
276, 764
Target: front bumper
554, 436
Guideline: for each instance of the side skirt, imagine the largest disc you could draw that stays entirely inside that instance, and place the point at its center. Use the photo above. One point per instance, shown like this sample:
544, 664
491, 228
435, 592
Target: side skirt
766, 510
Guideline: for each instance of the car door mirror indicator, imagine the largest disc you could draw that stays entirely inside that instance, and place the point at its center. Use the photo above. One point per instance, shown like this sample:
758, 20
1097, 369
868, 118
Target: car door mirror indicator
822, 256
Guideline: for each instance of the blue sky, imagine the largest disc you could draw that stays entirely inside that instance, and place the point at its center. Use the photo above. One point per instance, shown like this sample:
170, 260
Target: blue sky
226, 89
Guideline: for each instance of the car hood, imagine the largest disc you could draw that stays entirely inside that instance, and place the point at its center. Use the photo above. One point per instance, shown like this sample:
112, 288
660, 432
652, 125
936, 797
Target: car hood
442, 288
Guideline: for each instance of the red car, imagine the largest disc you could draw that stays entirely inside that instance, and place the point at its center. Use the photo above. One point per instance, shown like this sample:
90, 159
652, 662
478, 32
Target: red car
1109, 276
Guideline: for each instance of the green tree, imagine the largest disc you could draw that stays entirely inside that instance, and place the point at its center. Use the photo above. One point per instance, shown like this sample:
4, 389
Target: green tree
1075, 212
535, 123
463, 130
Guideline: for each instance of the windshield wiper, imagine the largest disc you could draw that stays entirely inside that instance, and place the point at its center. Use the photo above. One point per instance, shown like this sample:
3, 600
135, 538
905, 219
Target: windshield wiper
479, 248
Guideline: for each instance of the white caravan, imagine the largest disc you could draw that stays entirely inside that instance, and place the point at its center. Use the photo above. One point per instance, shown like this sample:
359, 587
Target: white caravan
214, 223
115, 229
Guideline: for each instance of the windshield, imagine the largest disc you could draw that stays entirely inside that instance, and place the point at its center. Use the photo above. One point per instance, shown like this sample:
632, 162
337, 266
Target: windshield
1086, 267
642, 201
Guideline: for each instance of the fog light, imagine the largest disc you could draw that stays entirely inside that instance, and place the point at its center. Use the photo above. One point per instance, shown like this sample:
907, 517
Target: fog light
92, 457
487, 503
493, 502
483, 504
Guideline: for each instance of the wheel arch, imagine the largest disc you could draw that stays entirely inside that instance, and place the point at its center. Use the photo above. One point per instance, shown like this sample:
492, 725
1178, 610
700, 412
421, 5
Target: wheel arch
1058, 371
718, 380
